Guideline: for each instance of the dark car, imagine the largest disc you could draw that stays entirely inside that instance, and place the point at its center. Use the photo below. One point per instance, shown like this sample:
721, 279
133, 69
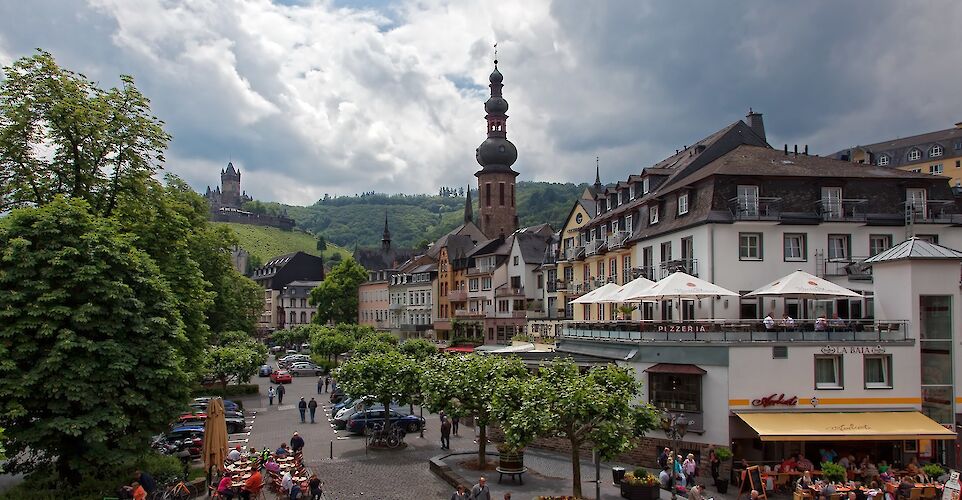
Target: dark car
234, 420
362, 422
264, 371
186, 440
337, 395
202, 404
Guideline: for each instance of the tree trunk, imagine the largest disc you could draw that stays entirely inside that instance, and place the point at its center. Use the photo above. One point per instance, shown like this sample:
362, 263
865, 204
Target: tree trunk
482, 445
575, 468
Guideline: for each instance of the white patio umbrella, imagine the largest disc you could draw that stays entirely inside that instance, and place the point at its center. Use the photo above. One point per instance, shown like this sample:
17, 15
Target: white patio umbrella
594, 296
631, 288
680, 285
803, 285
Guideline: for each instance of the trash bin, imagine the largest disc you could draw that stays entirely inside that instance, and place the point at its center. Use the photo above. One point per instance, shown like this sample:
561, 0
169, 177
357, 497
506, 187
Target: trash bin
617, 474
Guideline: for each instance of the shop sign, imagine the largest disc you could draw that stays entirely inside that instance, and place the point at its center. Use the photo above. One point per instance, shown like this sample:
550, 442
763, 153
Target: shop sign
775, 400
951, 489
692, 327
877, 349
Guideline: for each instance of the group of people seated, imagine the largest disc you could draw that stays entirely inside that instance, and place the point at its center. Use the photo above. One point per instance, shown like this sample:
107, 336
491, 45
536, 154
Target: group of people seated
822, 324
285, 474
677, 469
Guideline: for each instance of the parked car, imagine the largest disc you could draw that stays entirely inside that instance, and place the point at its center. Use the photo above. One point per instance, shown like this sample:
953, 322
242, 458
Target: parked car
363, 421
281, 377
298, 369
287, 361
337, 395
201, 403
344, 414
276, 349
234, 420
185, 440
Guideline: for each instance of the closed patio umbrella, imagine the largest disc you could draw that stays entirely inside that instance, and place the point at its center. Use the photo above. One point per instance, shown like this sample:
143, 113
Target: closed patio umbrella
215, 436
680, 285
802, 285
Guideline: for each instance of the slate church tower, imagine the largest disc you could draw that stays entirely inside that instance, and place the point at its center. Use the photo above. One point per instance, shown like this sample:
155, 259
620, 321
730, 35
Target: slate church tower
496, 179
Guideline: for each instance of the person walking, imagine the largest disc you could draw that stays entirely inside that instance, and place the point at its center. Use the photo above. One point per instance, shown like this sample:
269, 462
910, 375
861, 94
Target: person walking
327, 382
481, 490
270, 396
297, 443
302, 408
313, 407
445, 433
455, 420
460, 494
280, 394
316, 488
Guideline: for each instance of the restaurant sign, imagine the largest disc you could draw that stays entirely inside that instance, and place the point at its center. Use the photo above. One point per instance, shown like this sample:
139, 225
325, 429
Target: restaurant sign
683, 327
775, 400
876, 349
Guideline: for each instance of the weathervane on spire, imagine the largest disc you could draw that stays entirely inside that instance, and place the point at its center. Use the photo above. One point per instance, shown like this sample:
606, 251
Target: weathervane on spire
495, 53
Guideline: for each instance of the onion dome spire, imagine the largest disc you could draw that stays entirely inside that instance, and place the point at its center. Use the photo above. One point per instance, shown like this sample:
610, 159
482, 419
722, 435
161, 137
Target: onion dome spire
496, 153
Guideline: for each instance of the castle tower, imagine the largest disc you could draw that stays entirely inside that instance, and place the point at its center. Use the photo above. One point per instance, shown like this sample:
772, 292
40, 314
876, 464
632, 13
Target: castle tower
230, 186
498, 216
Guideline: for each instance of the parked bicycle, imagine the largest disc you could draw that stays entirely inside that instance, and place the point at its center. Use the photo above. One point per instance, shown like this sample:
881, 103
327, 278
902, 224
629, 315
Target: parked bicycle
390, 438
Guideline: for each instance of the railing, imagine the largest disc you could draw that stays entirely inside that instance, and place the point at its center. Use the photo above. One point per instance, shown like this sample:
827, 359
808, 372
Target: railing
940, 211
408, 327
761, 208
852, 267
841, 209
464, 313
507, 291
689, 266
509, 314
481, 269
397, 307
647, 272
617, 239
458, 295
740, 331
594, 246
549, 258
573, 252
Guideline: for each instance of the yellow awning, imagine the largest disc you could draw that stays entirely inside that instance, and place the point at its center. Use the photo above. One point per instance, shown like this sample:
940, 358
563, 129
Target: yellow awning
862, 426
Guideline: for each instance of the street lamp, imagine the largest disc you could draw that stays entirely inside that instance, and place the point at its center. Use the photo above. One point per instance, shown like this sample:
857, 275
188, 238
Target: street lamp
675, 426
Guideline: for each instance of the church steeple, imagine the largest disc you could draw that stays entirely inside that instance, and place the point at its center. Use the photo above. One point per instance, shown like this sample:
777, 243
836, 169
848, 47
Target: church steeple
598, 185
386, 237
496, 155
468, 209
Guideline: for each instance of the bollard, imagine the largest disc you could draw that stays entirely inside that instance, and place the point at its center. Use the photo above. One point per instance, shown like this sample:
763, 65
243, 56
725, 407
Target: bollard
332, 450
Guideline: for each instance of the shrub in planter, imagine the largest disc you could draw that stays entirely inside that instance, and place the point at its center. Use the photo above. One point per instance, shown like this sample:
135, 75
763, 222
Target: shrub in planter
724, 455
933, 470
833, 472
640, 485
510, 458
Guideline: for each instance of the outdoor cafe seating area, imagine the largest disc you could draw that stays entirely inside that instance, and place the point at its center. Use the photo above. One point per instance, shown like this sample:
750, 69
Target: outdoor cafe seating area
274, 466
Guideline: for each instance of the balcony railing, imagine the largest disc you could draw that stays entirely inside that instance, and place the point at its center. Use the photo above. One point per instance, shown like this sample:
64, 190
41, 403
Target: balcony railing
573, 252
464, 313
761, 208
689, 266
617, 239
938, 211
852, 267
647, 272
594, 246
841, 209
507, 291
737, 331
509, 314
458, 295
397, 307
481, 269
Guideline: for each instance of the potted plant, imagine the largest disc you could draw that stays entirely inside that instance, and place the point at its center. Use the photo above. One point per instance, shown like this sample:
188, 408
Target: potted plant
933, 471
834, 472
509, 458
723, 454
639, 485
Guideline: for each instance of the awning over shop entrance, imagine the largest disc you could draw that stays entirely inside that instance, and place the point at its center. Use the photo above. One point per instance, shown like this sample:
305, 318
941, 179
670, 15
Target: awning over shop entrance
862, 426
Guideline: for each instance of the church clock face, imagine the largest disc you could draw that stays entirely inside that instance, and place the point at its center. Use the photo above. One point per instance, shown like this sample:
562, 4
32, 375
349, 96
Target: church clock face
579, 218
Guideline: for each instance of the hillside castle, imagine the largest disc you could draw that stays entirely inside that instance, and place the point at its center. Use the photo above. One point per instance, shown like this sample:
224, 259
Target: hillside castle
227, 202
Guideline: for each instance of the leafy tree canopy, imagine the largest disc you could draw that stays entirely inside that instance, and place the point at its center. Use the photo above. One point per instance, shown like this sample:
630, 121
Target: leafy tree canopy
465, 385
336, 296
388, 376
236, 361
419, 349
596, 407
83, 312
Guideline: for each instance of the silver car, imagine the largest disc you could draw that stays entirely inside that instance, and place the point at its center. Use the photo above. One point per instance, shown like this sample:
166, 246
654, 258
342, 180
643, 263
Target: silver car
298, 369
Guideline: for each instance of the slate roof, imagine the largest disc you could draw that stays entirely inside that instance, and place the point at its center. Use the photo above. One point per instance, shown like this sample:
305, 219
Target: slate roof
376, 259
532, 247
466, 229
898, 149
915, 248
311, 284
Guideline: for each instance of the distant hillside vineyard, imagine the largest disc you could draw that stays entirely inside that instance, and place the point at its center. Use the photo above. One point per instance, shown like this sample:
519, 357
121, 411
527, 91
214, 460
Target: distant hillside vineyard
414, 219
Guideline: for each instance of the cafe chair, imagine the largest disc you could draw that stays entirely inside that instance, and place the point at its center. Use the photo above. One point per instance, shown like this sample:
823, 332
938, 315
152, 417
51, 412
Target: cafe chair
929, 492
916, 494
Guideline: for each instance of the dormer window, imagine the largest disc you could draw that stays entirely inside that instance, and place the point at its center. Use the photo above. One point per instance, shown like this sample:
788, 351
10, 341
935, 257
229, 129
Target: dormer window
645, 185
883, 160
936, 151
683, 204
631, 191
653, 214
915, 154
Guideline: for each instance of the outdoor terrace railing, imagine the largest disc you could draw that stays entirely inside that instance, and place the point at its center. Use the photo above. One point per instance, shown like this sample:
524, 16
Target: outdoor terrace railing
617, 239
760, 208
458, 295
506, 291
841, 209
594, 246
738, 331
573, 252
689, 266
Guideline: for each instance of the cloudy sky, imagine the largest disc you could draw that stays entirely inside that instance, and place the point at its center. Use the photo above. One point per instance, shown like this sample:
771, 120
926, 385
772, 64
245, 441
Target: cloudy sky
313, 97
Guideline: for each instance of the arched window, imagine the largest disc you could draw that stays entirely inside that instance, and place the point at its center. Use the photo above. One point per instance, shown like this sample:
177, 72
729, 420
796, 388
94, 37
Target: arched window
915, 154
293, 317
936, 151
883, 160
303, 317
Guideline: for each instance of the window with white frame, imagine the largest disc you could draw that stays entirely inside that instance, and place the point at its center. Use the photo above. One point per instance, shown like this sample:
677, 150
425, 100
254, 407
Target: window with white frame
631, 191
828, 372
832, 202
883, 160
473, 284
747, 197
795, 247
749, 246
485, 283
878, 243
628, 227
915, 154
936, 151
683, 204
838, 246
653, 214
878, 371
645, 186
915, 198
936, 169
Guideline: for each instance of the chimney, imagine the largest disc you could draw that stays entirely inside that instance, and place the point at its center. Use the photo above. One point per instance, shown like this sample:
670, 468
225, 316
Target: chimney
754, 121
806, 150
796, 150
786, 150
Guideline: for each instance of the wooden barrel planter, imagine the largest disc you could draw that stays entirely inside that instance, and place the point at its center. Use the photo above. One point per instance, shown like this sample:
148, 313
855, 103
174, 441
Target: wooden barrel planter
511, 460
639, 492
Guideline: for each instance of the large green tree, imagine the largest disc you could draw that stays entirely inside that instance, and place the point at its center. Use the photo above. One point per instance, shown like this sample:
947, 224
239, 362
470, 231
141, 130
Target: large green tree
237, 361
336, 296
388, 376
596, 407
62, 134
90, 334
419, 349
465, 385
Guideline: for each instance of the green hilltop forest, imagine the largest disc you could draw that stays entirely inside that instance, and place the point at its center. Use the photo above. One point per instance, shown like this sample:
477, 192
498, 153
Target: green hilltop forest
417, 219
265, 242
